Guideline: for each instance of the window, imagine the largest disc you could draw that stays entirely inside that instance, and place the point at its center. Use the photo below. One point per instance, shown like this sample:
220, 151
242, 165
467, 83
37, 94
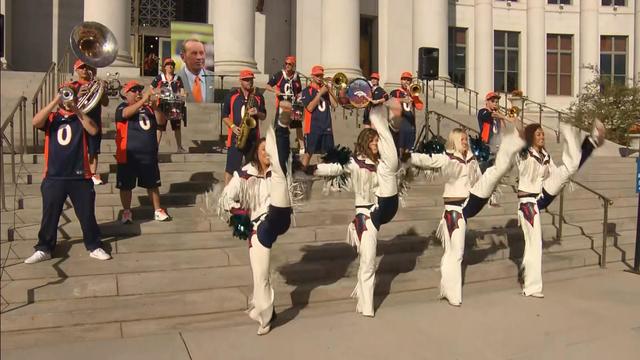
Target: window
613, 59
559, 64
559, 2
613, 2
505, 60
458, 55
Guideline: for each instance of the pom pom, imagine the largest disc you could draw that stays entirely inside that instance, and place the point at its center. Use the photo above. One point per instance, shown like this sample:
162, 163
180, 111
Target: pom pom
338, 154
240, 222
480, 150
435, 145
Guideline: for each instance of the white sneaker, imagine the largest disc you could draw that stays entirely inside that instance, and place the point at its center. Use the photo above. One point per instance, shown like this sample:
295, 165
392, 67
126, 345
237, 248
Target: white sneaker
538, 295
37, 256
127, 217
161, 215
99, 254
97, 180
264, 330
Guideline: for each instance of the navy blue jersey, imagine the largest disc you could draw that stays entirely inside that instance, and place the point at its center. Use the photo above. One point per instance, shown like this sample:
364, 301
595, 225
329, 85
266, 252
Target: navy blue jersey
234, 107
136, 138
317, 121
487, 124
65, 147
408, 109
161, 80
290, 87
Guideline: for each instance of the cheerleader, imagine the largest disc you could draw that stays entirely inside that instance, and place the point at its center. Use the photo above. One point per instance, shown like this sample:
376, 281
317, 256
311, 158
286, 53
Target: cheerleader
466, 191
540, 181
372, 175
260, 192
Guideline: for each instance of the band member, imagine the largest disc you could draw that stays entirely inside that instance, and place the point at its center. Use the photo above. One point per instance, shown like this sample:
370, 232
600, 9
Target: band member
198, 81
260, 189
372, 171
406, 136
168, 78
318, 130
539, 182
66, 174
236, 106
490, 120
137, 121
466, 191
86, 74
287, 86
378, 96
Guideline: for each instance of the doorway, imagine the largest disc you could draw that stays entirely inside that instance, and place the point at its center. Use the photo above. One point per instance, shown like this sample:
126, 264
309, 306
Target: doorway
150, 53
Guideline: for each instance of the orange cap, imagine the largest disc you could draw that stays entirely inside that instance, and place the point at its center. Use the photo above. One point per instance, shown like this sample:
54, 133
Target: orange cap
375, 75
130, 85
290, 59
246, 74
406, 75
77, 64
317, 70
490, 95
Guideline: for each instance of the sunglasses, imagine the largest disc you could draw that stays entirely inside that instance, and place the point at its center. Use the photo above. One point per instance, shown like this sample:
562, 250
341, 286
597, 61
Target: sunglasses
136, 89
289, 63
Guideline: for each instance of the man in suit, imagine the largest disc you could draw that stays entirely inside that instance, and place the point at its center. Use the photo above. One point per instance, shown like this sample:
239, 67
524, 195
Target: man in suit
193, 72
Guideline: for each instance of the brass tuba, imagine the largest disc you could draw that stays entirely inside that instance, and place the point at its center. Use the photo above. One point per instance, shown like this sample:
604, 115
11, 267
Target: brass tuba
95, 45
248, 122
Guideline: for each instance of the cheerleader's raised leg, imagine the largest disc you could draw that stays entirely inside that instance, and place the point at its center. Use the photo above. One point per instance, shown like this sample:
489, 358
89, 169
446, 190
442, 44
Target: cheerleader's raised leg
276, 222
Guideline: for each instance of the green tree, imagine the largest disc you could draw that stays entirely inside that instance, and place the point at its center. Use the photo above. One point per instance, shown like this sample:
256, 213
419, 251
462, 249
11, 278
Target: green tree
617, 106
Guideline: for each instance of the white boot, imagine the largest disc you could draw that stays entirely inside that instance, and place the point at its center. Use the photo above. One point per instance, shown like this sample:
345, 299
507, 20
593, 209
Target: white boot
571, 154
279, 186
532, 260
451, 262
261, 309
367, 270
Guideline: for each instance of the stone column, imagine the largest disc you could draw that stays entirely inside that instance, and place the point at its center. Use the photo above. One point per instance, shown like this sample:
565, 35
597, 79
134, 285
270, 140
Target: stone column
483, 52
115, 15
341, 37
233, 35
536, 50
395, 40
431, 29
5, 10
308, 37
636, 43
589, 39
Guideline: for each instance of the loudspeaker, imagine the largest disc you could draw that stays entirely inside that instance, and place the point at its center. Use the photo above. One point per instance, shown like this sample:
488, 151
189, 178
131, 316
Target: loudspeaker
428, 63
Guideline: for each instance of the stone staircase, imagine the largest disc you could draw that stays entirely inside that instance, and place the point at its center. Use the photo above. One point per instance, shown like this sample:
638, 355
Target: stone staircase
190, 273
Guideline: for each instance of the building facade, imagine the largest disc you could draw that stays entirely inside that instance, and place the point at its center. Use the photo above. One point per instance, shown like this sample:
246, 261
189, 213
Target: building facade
546, 48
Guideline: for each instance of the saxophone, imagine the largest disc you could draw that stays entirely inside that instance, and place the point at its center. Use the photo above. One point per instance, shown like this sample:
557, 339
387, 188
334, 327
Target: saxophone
248, 122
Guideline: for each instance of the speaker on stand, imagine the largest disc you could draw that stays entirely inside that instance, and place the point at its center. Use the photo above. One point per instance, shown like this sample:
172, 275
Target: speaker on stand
428, 58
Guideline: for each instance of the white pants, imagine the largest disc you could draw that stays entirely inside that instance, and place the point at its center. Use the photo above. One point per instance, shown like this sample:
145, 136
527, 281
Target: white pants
366, 241
452, 234
261, 305
529, 219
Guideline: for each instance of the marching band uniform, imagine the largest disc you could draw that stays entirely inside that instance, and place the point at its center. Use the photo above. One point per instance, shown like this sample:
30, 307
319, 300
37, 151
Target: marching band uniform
267, 200
540, 181
463, 180
377, 93
406, 136
376, 201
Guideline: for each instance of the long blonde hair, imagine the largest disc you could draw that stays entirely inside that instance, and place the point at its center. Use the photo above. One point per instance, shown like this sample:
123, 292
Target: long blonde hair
454, 142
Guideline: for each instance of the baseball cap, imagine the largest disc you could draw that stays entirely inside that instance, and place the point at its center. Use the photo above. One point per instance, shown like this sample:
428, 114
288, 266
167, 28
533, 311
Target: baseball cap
375, 75
406, 75
246, 74
290, 59
130, 85
491, 95
317, 70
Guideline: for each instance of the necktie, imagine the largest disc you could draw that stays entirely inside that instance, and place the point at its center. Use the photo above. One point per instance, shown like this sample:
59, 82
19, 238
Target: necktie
197, 91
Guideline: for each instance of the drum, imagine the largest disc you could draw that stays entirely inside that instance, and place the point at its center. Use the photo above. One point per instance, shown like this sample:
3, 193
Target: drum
171, 104
358, 94
297, 114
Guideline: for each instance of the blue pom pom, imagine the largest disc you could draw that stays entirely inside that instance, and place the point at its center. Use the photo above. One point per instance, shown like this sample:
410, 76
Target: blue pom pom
242, 226
435, 145
480, 150
338, 154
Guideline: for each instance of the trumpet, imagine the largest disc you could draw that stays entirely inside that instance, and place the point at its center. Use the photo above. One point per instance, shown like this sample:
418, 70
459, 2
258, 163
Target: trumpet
513, 111
415, 89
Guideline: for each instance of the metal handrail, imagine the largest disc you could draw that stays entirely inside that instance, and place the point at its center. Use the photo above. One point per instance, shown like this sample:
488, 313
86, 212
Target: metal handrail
439, 117
541, 107
471, 93
20, 106
606, 202
43, 95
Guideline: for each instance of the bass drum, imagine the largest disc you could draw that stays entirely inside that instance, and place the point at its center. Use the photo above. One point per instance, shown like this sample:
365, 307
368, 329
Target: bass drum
358, 94
297, 114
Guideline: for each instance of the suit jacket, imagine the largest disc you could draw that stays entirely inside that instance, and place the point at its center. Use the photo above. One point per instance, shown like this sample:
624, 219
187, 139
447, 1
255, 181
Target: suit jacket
208, 82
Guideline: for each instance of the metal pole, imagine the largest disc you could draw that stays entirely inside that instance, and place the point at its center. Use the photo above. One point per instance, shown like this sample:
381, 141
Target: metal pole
540, 113
469, 102
558, 132
560, 217
444, 83
457, 96
603, 263
13, 153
